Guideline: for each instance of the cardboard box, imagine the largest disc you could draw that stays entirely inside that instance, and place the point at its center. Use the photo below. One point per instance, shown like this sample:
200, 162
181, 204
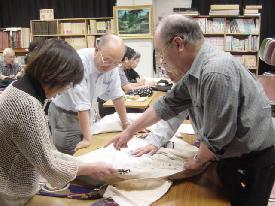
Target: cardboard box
46, 14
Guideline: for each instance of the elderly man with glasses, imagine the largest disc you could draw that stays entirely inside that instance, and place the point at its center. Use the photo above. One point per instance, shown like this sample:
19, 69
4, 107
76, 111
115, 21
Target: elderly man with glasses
71, 113
227, 106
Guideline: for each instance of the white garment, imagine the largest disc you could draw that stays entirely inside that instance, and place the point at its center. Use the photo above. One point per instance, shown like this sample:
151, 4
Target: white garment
147, 179
112, 123
138, 192
163, 131
83, 96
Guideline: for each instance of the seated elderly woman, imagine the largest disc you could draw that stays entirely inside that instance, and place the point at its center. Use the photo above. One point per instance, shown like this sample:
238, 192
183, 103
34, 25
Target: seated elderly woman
130, 81
26, 148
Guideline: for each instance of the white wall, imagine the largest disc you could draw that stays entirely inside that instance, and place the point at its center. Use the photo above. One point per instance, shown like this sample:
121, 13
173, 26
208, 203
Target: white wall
165, 7
145, 48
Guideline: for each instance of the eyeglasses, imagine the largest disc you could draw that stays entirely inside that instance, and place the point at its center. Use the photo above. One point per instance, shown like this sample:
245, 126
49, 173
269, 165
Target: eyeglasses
109, 62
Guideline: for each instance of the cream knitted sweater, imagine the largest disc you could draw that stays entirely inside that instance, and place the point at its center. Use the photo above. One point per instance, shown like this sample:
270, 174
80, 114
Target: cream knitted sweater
26, 147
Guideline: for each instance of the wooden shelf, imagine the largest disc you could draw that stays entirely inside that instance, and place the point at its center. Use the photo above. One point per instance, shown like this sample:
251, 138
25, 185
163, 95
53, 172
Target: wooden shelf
84, 30
45, 35
242, 52
223, 31
71, 35
17, 50
96, 34
213, 34
240, 34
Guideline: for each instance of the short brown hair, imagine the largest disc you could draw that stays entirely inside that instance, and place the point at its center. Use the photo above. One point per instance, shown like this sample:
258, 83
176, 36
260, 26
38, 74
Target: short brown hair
56, 64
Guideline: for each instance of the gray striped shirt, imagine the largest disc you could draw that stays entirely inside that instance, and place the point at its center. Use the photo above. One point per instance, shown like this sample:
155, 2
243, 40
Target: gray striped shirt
226, 104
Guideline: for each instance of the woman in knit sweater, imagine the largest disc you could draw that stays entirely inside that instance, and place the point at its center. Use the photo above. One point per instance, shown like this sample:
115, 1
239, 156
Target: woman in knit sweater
26, 148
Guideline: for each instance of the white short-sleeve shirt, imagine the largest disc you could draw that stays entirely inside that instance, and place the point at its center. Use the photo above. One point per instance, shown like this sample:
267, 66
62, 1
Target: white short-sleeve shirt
83, 95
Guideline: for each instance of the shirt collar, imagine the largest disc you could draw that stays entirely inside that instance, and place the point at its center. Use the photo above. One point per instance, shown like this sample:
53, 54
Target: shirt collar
195, 69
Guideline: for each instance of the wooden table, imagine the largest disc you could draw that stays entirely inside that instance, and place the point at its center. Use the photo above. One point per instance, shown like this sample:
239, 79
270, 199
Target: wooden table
139, 105
202, 190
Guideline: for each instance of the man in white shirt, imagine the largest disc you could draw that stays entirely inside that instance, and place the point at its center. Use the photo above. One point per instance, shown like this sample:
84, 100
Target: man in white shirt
69, 113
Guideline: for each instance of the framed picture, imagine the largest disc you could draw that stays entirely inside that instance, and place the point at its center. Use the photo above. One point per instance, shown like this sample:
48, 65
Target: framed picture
133, 21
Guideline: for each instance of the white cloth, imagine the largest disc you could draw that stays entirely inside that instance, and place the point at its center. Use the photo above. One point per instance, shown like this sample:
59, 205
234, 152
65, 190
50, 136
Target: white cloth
138, 192
147, 179
83, 96
163, 131
112, 123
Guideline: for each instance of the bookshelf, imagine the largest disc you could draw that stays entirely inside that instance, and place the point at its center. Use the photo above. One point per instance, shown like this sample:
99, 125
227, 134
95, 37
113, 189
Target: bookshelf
17, 38
238, 35
79, 32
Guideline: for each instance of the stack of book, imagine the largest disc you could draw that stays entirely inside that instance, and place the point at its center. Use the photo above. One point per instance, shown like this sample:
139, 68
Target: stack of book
244, 26
224, 10
186, 11
214, 25
252, 10
72, 28
14, 37
249, 61
100, 26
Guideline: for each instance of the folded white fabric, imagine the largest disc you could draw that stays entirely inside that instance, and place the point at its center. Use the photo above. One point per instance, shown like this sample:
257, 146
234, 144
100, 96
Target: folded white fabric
146, 179
185, 129
111, 123
138, 192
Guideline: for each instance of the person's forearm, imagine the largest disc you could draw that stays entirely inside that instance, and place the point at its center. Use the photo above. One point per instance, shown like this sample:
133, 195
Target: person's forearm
148, 118
131, 86
84, 123
120, 107
83, 169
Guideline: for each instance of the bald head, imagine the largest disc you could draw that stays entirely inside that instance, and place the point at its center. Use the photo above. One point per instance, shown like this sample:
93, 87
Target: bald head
110, 41
110, 49
179, 25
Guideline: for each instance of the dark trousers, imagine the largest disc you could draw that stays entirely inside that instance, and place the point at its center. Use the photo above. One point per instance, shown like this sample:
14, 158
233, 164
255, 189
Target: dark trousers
248, 180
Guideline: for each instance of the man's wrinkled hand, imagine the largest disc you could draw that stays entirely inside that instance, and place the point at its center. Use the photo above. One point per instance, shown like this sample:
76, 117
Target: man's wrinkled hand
149, 149
120, 141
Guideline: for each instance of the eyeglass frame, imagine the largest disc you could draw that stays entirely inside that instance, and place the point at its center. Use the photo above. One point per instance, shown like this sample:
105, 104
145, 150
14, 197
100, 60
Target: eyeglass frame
167, 44
113, 63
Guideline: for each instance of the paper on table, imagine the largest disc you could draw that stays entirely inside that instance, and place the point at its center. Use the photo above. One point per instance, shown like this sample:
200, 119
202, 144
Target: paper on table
185, 129
140, 99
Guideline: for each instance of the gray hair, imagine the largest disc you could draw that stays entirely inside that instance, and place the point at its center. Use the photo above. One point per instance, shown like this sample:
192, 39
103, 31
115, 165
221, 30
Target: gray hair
8, 51
178, 25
